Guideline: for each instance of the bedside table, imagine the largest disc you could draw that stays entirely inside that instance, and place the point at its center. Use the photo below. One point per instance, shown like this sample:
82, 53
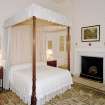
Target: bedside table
52, 63
1, 75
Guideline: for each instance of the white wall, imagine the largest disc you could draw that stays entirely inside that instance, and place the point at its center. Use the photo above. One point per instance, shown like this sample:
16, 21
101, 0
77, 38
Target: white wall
88, 13
60, 56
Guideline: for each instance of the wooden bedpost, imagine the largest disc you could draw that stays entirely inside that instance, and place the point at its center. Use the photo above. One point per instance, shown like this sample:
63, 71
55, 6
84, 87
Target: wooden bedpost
68, 47
33, 97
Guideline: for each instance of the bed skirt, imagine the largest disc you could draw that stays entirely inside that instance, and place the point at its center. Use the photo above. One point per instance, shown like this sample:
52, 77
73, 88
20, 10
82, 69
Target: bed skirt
41, 101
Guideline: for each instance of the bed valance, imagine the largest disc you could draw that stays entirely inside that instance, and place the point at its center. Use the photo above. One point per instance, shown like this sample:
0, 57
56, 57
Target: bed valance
38, 12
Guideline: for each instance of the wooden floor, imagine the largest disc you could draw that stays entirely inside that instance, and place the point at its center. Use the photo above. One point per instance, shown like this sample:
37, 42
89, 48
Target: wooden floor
88, 82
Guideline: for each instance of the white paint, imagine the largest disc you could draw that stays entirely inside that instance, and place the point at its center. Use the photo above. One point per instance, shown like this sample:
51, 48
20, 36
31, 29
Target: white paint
87, 13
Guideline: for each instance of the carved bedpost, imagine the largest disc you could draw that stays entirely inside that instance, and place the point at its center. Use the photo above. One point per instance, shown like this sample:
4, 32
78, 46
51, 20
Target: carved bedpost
68, 46
33, 97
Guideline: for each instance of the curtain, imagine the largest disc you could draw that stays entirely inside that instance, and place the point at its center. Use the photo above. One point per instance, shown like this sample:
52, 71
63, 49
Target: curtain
41, 45
21, 45
18, 47
6, 56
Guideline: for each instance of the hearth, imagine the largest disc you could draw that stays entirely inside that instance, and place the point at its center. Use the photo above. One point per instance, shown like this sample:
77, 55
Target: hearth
92, 68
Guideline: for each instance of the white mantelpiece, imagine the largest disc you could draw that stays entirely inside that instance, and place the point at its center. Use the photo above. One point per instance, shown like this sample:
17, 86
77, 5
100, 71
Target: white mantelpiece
90, 53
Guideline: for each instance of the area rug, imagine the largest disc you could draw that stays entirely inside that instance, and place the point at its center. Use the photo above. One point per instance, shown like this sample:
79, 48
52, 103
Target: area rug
77, 95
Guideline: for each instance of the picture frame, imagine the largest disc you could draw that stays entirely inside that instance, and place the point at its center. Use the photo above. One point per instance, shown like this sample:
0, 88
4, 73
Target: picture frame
61, 43
90, 33
50, 44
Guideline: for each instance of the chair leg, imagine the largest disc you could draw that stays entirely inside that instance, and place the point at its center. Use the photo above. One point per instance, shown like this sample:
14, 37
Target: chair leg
2, 84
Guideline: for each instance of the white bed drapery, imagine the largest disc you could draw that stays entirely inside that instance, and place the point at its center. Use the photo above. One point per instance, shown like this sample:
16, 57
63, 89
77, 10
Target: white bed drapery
21, 45
6, 56
18, 47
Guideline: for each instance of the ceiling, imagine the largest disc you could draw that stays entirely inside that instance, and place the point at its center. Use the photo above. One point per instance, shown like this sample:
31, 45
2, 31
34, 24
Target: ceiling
10, 7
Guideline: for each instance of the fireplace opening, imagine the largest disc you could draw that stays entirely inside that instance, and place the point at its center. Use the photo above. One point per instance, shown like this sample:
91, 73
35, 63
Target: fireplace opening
92, 68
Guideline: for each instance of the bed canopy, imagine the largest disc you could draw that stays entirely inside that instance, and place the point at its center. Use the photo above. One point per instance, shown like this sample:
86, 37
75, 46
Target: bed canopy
31, 17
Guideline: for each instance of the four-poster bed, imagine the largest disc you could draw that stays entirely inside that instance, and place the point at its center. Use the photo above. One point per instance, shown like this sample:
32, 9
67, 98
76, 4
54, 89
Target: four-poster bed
36, 12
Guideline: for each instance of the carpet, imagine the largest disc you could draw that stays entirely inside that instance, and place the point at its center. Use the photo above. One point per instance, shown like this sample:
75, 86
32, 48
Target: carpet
10, 98
77, 95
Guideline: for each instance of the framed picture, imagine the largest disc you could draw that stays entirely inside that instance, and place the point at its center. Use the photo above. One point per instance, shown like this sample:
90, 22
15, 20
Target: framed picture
61, 43
50, 44
90, 33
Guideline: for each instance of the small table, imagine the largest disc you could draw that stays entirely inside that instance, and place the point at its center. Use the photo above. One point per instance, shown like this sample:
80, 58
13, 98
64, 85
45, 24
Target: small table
52, 63
1, 75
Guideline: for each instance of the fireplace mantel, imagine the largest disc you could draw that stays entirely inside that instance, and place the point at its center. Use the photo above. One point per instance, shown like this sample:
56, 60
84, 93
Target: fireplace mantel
88, 52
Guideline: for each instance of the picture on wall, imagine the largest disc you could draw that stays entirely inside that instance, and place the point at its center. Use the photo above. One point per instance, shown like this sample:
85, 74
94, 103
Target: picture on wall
90, 33
61, 43
50, 44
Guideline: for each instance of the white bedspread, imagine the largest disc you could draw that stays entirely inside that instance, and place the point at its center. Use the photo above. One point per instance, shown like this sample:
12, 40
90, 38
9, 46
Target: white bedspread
50, 82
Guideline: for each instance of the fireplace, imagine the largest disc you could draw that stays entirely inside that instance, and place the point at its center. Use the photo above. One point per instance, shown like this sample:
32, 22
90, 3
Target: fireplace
92, 68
